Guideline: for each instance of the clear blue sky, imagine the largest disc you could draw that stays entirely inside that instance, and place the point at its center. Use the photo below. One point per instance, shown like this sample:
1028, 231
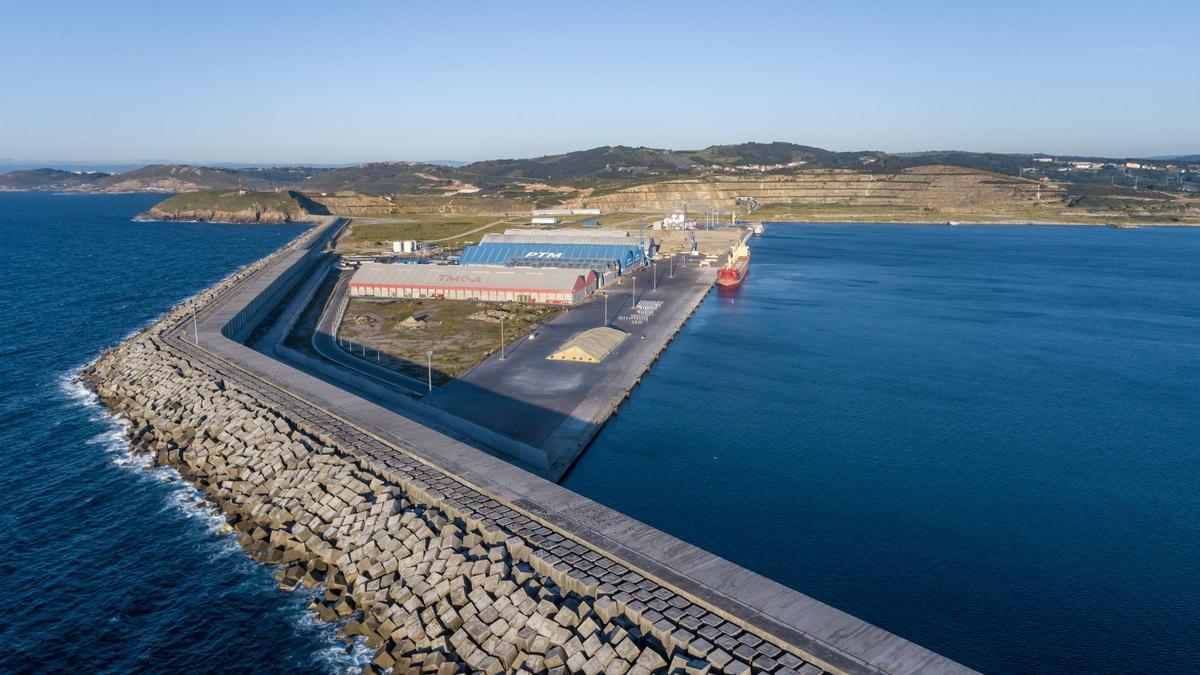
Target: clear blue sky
345, 82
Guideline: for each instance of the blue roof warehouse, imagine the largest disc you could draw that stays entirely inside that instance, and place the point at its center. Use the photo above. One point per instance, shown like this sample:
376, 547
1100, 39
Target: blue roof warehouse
612, 255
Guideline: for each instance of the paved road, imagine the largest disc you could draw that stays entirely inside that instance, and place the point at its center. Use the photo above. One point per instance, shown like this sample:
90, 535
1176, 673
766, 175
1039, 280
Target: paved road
325, 343
460, 235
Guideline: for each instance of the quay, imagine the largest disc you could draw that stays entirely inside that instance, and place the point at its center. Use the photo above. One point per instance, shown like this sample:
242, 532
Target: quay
558, 406
443, 557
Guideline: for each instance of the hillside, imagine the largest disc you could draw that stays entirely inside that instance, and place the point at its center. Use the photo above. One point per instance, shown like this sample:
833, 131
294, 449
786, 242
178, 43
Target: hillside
778, 153
608, 161
919, 194
49, 179
603, 168
951, 183
236, 206
183, 178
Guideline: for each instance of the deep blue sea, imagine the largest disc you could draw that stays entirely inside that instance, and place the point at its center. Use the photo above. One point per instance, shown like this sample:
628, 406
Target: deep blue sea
107, 566
984, 439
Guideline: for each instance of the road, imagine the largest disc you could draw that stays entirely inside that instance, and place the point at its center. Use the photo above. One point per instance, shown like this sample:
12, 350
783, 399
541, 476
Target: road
460, 235
324, 341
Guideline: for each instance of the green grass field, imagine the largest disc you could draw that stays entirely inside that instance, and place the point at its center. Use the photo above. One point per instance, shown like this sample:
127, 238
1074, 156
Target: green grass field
231, 200
377, 234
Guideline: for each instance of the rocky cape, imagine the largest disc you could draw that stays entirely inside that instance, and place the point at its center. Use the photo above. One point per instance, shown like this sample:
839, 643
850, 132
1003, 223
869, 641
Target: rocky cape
236, 206
250, 215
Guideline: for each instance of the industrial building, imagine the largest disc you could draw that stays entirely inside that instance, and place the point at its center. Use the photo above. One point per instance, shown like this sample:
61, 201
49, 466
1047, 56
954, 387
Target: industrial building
603, 254
548, 286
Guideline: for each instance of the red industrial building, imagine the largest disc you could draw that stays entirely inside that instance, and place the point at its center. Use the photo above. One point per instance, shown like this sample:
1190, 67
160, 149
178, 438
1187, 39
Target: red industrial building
542, 285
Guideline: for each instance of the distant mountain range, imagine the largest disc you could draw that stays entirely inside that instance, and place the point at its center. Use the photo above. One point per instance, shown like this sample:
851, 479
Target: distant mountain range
603, 167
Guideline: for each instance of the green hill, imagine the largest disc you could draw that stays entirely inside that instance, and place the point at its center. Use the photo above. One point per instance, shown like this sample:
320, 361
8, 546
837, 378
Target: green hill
49, 179
236, 206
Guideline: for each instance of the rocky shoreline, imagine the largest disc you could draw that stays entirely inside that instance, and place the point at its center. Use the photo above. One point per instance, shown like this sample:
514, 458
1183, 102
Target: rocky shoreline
434, 575
246, 216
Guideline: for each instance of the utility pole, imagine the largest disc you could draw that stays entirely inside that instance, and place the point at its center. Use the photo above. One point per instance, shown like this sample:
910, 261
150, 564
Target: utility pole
654, 272
672, 265
501, 338
633, 292
429, 356
195, 329
604, 320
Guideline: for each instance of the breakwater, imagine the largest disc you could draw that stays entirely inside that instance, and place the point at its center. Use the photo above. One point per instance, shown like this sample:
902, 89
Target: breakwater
445, 559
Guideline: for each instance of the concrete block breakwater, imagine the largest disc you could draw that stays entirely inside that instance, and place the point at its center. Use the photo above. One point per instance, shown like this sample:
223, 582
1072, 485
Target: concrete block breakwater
437, 575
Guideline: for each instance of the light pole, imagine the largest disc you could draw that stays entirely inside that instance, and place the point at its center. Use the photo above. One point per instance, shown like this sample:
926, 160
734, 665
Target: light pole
604, 322
429, 356
654, 271
501, 338
672, 265
195, 329
633, 291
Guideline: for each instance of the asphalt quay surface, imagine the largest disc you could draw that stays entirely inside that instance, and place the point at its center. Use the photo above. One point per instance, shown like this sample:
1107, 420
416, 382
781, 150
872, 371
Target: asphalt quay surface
559, 406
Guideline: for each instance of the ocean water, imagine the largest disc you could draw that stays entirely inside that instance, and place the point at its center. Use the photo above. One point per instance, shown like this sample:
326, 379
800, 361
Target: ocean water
984, 439
108, 566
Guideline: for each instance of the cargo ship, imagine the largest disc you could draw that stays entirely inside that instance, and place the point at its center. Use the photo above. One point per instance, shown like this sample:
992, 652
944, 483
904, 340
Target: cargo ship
736, 267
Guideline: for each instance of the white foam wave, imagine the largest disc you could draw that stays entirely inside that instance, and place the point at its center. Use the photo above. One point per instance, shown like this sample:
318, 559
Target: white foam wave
334, 654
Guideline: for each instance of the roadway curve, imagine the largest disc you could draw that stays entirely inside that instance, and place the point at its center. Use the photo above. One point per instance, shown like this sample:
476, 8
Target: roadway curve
324, 342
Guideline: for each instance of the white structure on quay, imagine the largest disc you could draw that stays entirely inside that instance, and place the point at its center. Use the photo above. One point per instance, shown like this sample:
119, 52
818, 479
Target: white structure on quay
543, 285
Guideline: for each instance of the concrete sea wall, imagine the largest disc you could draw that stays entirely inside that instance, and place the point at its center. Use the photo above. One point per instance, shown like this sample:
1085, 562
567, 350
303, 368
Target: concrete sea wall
435, 567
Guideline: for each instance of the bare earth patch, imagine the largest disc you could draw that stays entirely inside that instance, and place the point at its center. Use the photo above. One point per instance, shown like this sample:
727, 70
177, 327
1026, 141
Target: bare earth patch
460, 333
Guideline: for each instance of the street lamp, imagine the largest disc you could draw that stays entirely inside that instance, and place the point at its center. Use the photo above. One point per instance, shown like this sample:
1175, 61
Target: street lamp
501, 338
429, 356
604, 320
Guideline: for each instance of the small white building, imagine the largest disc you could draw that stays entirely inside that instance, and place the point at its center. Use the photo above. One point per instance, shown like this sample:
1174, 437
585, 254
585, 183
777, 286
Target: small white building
543, 220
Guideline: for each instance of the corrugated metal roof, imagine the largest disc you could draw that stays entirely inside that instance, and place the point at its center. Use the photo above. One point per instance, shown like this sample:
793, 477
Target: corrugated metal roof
496, 253
469, 277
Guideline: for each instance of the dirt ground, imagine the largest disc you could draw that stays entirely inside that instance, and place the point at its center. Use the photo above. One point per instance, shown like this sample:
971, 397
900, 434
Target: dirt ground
460, 333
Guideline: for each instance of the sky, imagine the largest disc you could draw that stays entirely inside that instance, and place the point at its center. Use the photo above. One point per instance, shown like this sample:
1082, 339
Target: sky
345, 82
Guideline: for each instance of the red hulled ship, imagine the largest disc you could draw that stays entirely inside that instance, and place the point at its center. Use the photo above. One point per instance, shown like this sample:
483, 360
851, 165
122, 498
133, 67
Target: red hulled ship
736, 267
